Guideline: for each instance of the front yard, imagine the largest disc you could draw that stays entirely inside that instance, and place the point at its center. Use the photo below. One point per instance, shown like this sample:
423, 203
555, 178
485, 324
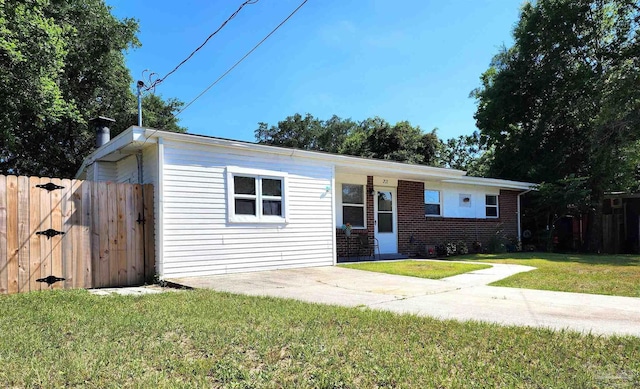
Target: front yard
597, 274
209, 339
617, 275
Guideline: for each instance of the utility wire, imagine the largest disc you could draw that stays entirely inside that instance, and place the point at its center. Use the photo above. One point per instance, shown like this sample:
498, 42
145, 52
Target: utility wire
242, 59
233, 15
234, 65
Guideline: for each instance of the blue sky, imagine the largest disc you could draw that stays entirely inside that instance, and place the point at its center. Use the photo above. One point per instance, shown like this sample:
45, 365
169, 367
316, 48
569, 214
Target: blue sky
397, 59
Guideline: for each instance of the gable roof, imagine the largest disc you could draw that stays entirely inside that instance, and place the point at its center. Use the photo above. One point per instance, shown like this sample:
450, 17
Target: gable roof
136, 138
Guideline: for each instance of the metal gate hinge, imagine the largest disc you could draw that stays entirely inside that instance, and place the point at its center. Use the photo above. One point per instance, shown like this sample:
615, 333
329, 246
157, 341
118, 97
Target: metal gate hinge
49, 233
50, 280
50, 186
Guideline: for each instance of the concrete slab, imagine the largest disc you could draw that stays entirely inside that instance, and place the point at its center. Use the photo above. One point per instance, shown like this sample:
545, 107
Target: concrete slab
461, 298
128, 291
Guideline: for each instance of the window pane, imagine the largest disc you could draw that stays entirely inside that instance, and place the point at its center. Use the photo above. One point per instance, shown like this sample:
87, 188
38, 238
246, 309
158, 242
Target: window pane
244, 185
271, 187
432, 209
245, 207
492, 211
353, 216
384, 201
492, 200
352, 194
432, 197
272, 207
385, 222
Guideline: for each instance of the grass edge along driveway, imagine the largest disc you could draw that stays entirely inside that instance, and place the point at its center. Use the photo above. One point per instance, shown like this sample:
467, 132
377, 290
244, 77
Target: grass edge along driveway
203, 338
434, 270
617, 275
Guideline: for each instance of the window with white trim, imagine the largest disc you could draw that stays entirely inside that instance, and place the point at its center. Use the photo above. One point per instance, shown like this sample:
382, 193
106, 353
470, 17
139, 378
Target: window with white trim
353, 209
256, 197
491, 206
432, 203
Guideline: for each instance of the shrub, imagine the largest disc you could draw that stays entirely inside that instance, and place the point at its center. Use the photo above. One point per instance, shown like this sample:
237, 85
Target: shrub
496, 245
451, 249
461, 247
441, 250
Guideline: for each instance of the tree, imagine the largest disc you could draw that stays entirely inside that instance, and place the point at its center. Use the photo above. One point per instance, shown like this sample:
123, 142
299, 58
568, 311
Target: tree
554, 200
371, 138
564, 99
62, 63
466, 152
157, 113
295, 131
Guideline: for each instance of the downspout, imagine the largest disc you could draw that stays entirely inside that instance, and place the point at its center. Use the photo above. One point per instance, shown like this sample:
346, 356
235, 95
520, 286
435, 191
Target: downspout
159, 209
334, 242
520, 216
142, 217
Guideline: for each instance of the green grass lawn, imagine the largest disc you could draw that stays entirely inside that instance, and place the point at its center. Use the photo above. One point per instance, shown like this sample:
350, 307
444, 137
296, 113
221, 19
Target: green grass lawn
208, 339
598, 274
424, 269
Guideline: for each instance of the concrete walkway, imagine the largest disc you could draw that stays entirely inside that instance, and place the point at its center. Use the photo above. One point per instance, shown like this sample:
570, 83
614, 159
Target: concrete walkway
462, 297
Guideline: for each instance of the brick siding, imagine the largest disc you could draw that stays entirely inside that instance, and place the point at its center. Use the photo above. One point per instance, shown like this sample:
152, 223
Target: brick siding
432, 230
438, 230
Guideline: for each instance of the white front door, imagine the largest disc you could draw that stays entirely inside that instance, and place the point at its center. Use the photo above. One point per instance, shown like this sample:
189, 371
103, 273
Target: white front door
386, 219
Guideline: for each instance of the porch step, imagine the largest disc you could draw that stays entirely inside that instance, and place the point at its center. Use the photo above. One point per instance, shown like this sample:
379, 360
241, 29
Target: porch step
377, 257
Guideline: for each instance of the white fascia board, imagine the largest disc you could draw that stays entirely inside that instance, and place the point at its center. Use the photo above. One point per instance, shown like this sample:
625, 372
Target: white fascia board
372, 166
493, 182
130, 136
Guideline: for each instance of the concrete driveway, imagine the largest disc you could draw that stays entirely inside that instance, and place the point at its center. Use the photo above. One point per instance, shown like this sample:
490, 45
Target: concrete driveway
462, 297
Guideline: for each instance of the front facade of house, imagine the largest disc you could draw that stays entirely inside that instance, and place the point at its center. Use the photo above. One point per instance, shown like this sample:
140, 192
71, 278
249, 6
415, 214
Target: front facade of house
225, 206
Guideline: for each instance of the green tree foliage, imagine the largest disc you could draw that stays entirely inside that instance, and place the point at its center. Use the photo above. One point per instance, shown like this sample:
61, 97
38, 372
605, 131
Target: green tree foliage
62, 63
466, 152
564, 100
371, 138
553, 200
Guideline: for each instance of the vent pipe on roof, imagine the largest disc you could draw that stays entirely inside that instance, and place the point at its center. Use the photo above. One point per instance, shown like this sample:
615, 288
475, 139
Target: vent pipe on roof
103, 133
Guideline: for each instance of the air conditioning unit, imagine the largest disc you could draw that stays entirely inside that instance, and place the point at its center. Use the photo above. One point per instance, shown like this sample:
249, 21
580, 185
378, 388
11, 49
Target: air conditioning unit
616, 203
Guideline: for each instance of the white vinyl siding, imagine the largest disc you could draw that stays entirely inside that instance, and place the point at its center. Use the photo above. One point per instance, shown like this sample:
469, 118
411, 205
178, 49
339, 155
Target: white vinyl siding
127, 170
150, 165
89, 173
198, 238
105, 171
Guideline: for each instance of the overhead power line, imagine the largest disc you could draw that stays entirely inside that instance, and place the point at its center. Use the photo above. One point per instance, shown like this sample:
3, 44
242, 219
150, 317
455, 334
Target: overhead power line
233, 15
235, 64
242, 59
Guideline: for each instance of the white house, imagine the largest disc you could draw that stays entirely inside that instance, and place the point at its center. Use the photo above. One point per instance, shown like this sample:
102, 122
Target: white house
225, 206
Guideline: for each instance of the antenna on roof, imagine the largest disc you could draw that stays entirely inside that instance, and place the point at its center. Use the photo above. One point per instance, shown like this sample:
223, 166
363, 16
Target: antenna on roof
140, 86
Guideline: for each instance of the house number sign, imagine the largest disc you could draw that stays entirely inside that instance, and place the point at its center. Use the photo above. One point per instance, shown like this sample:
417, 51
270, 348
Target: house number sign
385, 181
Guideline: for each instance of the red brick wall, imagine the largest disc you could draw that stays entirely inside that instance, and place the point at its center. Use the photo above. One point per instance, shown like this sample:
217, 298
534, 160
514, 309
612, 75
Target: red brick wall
343, 247
436, 230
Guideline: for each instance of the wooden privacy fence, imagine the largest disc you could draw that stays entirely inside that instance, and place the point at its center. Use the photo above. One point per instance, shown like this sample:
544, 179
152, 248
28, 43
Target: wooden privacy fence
612, 233
91, 234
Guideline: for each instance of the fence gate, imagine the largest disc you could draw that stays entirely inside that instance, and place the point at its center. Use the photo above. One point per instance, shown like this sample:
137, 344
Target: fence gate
59, 234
